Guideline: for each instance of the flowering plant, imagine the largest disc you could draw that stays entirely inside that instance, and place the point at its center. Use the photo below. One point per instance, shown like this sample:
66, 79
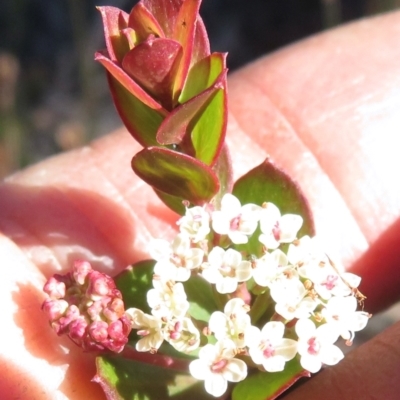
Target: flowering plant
244, 300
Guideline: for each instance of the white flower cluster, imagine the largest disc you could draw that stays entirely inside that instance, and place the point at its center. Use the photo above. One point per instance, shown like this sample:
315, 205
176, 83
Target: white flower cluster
313, 300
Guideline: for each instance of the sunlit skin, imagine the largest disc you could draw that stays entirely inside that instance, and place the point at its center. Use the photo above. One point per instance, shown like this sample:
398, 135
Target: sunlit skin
325, 109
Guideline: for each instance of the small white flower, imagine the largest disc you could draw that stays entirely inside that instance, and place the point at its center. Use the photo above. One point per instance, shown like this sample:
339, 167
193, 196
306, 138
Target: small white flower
175, 261
277, 229
167, 299
195, 224
271, 267
182, 335
235, 220
232, 323
340, 313
268, 347
225, 269
217, 366
149, 328
291, 298
315, 345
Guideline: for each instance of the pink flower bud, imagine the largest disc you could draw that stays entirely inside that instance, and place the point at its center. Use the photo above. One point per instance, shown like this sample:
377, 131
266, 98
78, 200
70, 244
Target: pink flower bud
86, 305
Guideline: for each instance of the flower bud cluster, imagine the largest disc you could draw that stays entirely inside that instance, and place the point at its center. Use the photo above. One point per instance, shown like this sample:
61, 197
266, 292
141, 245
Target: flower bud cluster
307, 300
86, 305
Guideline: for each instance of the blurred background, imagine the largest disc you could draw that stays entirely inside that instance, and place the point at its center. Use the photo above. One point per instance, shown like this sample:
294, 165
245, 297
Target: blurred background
54, 97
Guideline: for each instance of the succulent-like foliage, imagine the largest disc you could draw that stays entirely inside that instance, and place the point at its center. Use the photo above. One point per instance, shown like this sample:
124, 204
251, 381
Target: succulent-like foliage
168, 89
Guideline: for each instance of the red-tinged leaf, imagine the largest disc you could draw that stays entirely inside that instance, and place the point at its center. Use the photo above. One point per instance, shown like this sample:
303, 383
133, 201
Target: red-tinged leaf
128, 83
154, 64
123, 379
144, 23
114, 20
201, 46
202, 75
268, 183
176, 174
141, 120
130, 36
165, 12
269, 385
203, 118
223, 169
184, 33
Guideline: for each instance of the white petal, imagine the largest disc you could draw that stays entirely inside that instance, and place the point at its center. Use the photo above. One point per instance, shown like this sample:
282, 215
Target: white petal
244, 271
235, 371
287, 349
235, 306
310, 363
327, 334
305, 328
217, 323
273, 331
289, 225
232, 257
274, 364
216, 256
226, 285
230, 204
216, 385
238, 237
331, 355
220, 223
252, 336
198, 369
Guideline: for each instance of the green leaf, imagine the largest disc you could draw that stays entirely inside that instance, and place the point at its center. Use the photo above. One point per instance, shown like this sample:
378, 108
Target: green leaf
176, 174
269, 385
202, 75
268, 183
200, 298
202, 119
209, 129
134, 282
123, 379
141, 120
173, 202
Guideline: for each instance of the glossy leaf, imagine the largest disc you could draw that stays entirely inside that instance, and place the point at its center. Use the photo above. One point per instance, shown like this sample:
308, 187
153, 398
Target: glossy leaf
141, 120
144, 23
165, 12
123, 379
128, 83
184, 33
268, 183
203, 118
154, 65
209, 129
267, 385
176, 174
202, 75
134, 282
114, 20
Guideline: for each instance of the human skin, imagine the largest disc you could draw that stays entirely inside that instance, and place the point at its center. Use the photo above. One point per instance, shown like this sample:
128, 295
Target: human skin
325, 110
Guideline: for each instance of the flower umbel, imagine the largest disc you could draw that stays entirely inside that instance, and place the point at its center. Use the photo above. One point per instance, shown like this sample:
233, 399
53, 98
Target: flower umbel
86, 305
